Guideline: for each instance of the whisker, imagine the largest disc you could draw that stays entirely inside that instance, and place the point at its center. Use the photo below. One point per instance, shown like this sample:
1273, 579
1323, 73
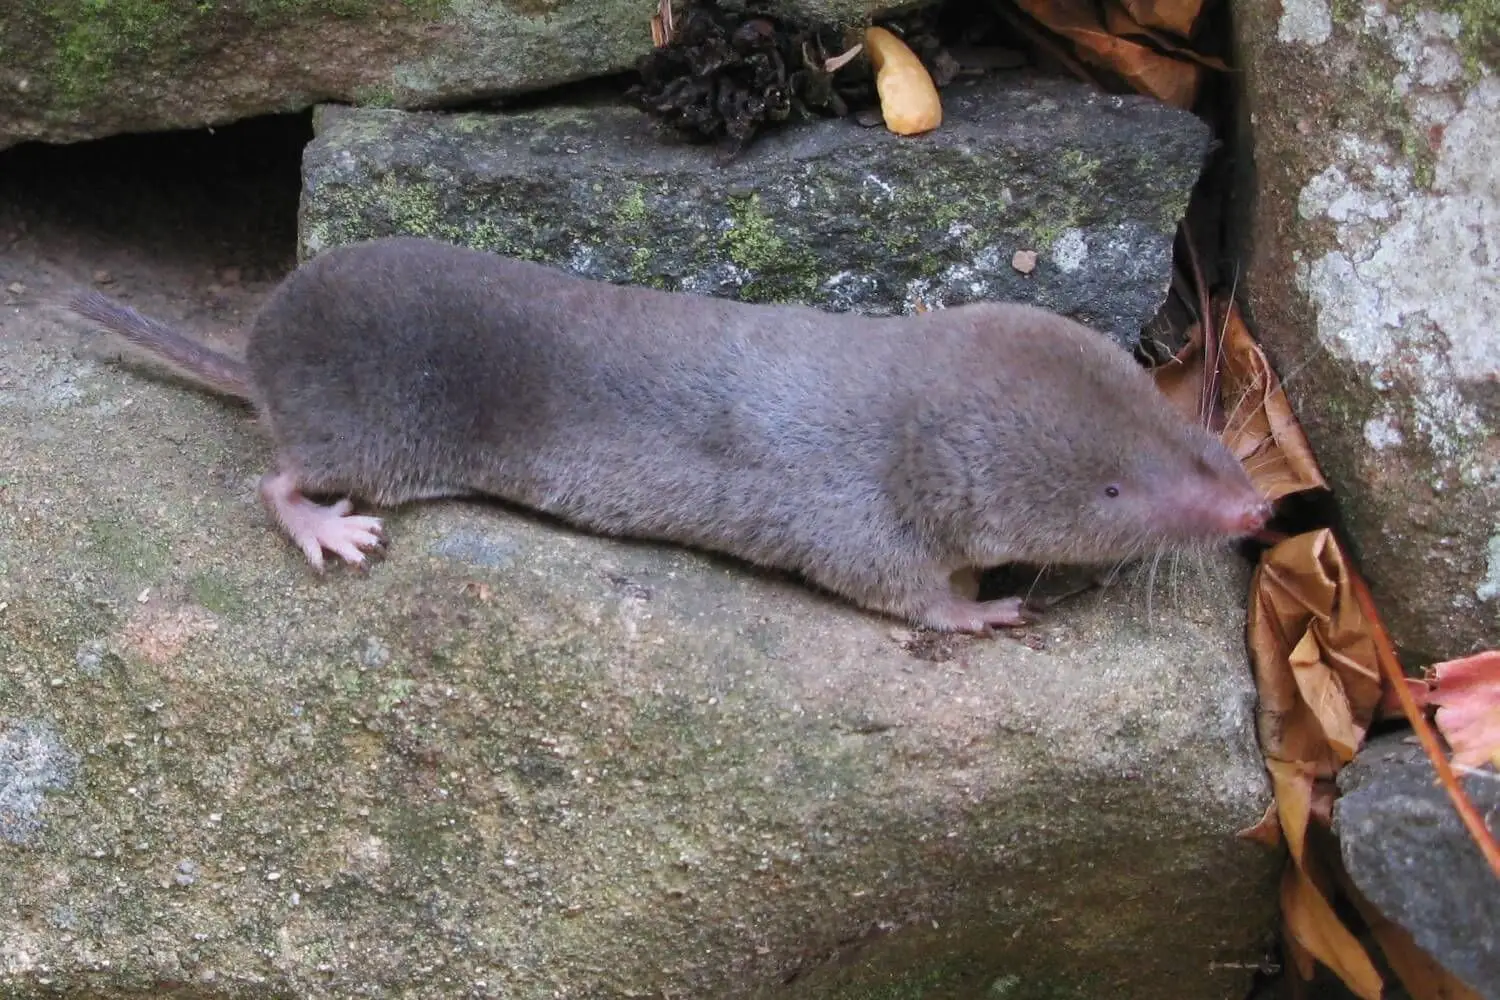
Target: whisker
1151, 587
1035, 581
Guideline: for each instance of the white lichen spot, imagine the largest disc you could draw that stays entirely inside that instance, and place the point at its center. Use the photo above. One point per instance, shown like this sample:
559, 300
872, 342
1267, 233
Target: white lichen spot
920, 296
1071, 250
19, 951
581, 259
886, 191
847, 290
1382, 433
1410, 286
1423, 43
989, 259
1489, 587
1305, 22
1331, 194
956, 275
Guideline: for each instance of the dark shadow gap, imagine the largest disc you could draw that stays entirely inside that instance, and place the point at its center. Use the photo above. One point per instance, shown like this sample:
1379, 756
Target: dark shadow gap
220, 197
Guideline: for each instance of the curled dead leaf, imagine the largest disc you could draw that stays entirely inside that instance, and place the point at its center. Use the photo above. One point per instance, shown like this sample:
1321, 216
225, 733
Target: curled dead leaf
1316, 665
1121, 22
1260, 428
1292, 781
835, 63
661, 24
1266, 831
1181, 378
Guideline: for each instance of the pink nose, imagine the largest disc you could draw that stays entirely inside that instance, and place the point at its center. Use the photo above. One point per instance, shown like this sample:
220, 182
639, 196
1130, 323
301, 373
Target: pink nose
1251, 518
1221, 516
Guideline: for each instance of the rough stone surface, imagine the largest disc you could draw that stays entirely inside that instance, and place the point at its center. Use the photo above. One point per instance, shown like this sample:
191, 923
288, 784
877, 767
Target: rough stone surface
80, 70
1409, 854
827, 213
1373, 283
516, 761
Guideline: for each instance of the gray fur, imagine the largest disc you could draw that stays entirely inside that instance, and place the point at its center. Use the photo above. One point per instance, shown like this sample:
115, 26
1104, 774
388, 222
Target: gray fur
874, 456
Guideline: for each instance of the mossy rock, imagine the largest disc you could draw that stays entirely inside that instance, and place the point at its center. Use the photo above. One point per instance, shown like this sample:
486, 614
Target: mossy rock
825, 213
80, 69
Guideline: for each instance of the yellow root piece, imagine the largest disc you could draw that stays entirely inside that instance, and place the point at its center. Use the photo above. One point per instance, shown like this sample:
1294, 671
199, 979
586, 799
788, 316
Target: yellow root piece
908, 97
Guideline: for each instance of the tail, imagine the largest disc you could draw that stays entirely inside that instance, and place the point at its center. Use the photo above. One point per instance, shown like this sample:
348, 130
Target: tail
215, 370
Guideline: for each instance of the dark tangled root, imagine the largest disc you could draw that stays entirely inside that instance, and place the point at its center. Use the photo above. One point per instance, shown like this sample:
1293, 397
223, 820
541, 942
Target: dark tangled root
737, 67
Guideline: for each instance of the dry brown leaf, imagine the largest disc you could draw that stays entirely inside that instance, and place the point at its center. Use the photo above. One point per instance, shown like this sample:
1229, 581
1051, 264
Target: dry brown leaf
1260, 428
1325, 793
1177, 16
1318, 646
1267, 831
1312, 923
1181, 379
1315, 662
1167, 79
1120, 22
1467, 694
662, 28
1302, 960
1323, 690
1288, 731
1293, 784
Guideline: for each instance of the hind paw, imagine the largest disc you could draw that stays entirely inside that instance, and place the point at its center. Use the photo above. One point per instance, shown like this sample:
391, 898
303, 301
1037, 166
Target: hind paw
955, 614
315, 527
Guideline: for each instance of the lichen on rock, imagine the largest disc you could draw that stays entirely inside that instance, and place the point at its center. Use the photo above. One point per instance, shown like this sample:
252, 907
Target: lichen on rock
825, 213
1374, 286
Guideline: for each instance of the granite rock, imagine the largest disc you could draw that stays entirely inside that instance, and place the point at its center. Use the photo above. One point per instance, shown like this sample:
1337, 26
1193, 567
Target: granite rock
825, 213
518, 761
84, 70
1408, 853
1372, 286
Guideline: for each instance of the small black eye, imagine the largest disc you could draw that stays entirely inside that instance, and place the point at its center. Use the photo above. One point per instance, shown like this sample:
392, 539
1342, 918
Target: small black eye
1111, 490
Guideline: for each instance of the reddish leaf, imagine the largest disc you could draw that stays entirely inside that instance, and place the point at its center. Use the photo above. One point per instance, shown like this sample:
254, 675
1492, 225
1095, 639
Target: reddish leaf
1468, 699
